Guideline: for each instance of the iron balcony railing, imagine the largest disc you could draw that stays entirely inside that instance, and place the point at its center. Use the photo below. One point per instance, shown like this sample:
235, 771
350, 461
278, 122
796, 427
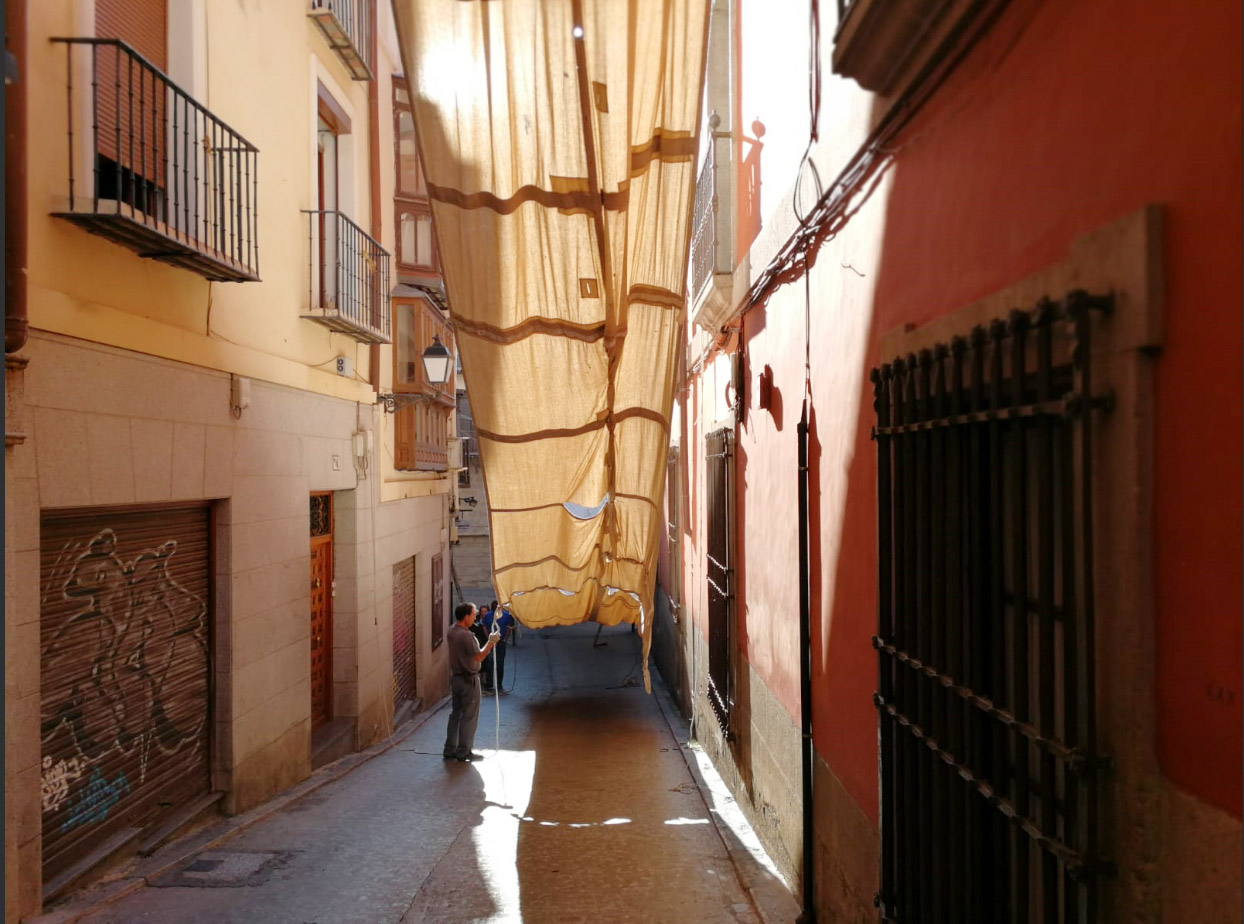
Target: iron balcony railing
349, 26
152, 169
348, 278
704, 228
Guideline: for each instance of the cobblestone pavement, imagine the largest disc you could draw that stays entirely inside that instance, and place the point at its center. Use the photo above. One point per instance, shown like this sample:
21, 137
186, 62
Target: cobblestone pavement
583, 810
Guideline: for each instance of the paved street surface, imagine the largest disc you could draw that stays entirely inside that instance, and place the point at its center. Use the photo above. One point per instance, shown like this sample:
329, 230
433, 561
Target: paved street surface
586, 812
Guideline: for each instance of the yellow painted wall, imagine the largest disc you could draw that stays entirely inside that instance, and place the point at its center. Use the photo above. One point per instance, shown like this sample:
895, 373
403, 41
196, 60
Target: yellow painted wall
262, 65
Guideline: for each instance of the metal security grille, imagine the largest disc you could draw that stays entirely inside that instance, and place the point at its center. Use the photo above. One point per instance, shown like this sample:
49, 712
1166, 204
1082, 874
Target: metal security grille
985, 612
673, 532
720, 569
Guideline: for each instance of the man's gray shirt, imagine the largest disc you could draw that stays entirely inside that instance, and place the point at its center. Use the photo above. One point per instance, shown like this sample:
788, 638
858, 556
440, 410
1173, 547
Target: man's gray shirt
462, 650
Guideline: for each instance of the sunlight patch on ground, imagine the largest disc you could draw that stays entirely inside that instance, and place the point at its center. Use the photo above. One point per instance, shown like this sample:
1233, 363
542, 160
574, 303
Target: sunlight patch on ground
507, 777
723, 803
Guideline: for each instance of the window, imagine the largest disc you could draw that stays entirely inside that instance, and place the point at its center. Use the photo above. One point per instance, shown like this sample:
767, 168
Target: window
439, 614
421, 431
985, 624
466, 432
409, 173
720, 568
416, 248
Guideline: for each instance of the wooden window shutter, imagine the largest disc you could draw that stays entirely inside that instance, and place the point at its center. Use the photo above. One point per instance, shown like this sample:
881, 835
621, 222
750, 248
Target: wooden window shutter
143, 25
404, 439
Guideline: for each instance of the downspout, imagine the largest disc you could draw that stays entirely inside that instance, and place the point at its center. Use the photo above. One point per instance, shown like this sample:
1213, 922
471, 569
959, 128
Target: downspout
808, 915
373, 171
16, 324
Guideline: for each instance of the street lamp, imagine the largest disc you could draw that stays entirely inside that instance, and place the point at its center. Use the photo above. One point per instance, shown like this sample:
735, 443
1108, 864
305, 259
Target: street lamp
435, 369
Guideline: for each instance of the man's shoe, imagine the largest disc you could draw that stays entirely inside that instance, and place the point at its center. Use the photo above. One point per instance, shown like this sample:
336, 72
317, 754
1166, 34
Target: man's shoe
447, 756
505, 692
474, 755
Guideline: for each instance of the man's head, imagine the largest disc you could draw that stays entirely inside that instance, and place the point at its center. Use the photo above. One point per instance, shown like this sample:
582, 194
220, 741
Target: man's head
494, 606
464, 614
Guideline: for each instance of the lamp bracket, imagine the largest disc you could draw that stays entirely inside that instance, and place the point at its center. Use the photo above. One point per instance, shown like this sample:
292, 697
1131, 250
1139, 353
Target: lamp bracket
393, 403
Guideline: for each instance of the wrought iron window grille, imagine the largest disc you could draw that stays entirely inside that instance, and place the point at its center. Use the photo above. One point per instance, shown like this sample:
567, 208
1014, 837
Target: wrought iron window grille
985, 641
720, 576
152, 169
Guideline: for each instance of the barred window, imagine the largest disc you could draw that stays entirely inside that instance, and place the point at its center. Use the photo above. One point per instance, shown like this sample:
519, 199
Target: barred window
985, 623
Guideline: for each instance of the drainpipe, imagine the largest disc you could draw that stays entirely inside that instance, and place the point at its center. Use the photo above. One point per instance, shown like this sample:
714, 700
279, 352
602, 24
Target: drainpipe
373, 172
15, 322
808, 915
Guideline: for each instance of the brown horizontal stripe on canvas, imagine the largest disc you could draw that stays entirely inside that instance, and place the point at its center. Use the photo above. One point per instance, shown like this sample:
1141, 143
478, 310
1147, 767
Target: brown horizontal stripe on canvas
674, 147
587, 333
565, 432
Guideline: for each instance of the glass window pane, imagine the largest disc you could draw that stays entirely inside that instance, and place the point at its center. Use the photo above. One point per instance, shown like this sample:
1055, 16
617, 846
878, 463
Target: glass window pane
405, 371
408, 157
406, 247
425, 240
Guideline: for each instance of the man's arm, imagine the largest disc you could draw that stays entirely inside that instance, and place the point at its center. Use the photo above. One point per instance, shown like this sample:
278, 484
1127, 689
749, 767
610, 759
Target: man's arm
492, 642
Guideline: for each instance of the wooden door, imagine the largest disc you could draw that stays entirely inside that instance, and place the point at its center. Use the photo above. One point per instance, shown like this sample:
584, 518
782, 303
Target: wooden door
321, 608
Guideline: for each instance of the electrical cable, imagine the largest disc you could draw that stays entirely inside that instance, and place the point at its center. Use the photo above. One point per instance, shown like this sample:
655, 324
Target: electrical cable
814, 114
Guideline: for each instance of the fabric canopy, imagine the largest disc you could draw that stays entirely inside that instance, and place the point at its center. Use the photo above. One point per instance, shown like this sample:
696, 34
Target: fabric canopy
558, 140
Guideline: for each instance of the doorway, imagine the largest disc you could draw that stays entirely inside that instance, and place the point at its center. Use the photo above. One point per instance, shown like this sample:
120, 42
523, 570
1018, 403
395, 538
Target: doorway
321, 608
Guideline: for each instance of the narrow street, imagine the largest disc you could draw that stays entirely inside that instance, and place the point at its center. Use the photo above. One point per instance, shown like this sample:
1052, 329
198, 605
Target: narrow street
587, 812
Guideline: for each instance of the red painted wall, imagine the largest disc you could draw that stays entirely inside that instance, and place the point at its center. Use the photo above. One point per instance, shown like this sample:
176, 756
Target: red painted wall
1066, 116
1063, 119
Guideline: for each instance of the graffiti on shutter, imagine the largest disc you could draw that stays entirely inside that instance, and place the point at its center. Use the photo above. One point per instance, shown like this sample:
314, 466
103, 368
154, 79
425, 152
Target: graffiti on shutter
124, 676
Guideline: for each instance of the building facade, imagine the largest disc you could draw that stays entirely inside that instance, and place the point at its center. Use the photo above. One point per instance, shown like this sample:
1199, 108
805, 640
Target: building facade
227, 479
958, 310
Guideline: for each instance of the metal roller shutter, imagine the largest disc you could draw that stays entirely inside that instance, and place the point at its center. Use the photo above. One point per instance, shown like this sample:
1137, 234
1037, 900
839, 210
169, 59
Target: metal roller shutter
403, 632
124, 671
143, 25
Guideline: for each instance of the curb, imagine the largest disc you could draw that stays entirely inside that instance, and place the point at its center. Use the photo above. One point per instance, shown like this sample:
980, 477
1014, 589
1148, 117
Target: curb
773, 901
218, 832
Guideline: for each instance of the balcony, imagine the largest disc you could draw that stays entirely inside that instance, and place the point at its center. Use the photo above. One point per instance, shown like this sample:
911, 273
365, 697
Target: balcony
347, 278
421, 429
887, 45
710, 277
152, 169
349, 27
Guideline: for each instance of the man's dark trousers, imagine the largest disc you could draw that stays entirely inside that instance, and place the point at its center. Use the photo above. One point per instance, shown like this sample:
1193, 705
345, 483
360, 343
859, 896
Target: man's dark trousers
499, 654
463, 715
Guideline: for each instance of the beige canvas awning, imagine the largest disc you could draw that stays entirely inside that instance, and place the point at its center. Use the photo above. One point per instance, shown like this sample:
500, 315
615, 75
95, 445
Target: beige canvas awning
558, 138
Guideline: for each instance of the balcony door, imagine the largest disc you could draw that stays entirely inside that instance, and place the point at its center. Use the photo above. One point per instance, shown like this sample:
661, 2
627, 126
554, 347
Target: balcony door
326, 203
